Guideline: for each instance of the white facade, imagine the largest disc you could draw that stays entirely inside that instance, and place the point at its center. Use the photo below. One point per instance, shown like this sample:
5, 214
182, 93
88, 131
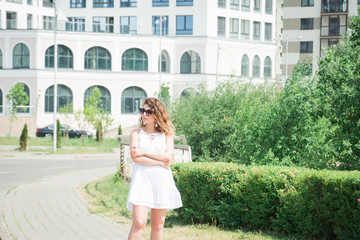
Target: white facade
220, 56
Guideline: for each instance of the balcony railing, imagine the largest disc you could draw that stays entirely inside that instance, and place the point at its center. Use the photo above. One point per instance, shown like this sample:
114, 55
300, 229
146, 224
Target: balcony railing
98, 27
333, 31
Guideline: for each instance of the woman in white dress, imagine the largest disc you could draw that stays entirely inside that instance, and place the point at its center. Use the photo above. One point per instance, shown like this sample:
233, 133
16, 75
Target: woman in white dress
152, 184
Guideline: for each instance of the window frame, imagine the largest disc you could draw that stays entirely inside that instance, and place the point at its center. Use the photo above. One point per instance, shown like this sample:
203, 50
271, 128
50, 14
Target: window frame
49, 57
221, 3
245, 5
307, 3
49, 98
103, 3
245, 29
307, 23
134, 60
164, 27
185, 30
268, 37
306, 47
160, 3
256, 36
234, 28
233, 4
88, 59
256, 68
224, 26
255, 8
105, 97
75, 24
184, 2
77, 3
193, 65
268, 6
130, 20
267, 67
109, 25
24, 56
128, 3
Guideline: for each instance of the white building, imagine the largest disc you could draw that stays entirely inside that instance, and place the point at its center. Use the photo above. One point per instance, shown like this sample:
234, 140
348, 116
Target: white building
311, 26
115, 45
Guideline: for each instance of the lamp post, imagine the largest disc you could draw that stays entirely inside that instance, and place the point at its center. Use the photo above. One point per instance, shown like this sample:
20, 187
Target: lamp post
287, 51
55, 70
160, 22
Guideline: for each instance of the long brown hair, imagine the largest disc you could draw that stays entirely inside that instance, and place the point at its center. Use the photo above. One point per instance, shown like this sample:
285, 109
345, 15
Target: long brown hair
162, 118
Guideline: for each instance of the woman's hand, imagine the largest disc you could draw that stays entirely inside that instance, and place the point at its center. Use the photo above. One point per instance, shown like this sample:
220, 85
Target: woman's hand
165, 165
136, 152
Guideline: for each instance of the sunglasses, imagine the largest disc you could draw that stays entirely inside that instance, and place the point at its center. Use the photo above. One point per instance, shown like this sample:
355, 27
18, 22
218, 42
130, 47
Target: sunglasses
147, 112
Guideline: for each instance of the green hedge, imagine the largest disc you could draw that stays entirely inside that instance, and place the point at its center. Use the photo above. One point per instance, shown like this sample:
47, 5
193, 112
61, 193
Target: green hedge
316, 204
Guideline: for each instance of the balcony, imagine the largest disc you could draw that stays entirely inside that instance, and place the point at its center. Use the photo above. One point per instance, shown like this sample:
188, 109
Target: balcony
334, 6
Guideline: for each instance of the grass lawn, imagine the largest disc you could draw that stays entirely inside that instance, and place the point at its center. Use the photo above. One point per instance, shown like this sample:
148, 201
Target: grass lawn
108, 197
70, 146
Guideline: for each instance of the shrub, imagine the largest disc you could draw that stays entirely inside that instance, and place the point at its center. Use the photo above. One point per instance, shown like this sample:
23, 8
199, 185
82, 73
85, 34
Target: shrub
24, 138
58, 134
319, 204
120, 132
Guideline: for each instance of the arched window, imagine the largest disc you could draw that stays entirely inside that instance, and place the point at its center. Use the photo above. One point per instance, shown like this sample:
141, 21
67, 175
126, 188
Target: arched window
188, 92
165, 62
64, 57
134, 59
131, 100
64, 98
21, 56
105, 97
267, 68
97, 58
1, 101
1, 60
245, 66
190, 63
256, 67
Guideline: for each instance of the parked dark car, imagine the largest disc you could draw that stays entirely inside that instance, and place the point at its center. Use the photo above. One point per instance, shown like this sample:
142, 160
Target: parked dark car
73, 133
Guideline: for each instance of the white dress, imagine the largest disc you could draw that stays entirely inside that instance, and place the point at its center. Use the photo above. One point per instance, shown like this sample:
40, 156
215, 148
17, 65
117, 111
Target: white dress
153, 186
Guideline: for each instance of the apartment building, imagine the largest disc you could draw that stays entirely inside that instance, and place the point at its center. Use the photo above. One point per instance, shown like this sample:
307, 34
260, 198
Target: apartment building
115, 45
311, 26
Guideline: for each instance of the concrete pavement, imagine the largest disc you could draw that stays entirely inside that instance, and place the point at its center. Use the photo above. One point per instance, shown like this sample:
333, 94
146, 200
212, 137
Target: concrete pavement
50, 209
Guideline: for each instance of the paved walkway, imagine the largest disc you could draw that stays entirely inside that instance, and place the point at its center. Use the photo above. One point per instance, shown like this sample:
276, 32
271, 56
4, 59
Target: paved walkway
50, 209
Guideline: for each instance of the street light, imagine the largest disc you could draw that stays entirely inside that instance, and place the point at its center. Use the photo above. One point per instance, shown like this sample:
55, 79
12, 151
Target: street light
287, 51
160, 21
55, 70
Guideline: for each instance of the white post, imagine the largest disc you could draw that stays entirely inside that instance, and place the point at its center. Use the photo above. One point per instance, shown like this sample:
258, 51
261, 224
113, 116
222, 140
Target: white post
160, 22
217, 65
286, 58
55, 70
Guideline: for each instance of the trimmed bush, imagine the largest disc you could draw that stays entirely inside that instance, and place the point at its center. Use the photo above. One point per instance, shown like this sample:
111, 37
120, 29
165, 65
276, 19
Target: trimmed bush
24, 138
58, 134
315, 204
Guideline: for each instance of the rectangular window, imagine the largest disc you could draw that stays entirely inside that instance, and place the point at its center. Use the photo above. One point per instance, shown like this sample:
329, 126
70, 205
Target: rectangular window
307, 3
257, 6
48, 23
160, 3
11, 22
245, 29
76, 24
268, 7
184, 2
128, 25
29, 21
306, 47
234, 4
307, 23
29, 2
14, 1
103, 3
103, 24
48, 3
164, 25
128, 3
245, 5
358, 2
77, 3
222, 3
234, 27
268, 31
184, 25
221, 26
257, 31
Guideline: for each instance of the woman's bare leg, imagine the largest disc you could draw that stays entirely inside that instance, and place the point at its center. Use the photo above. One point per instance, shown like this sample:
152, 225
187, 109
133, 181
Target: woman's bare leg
140, 215
157, 223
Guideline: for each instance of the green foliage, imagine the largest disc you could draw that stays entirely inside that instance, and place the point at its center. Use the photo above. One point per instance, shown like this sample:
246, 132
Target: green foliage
58, 134
95, 115
24, 138
120, 131
312, 122
99, 132
316, 204
164, 94
16, 97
